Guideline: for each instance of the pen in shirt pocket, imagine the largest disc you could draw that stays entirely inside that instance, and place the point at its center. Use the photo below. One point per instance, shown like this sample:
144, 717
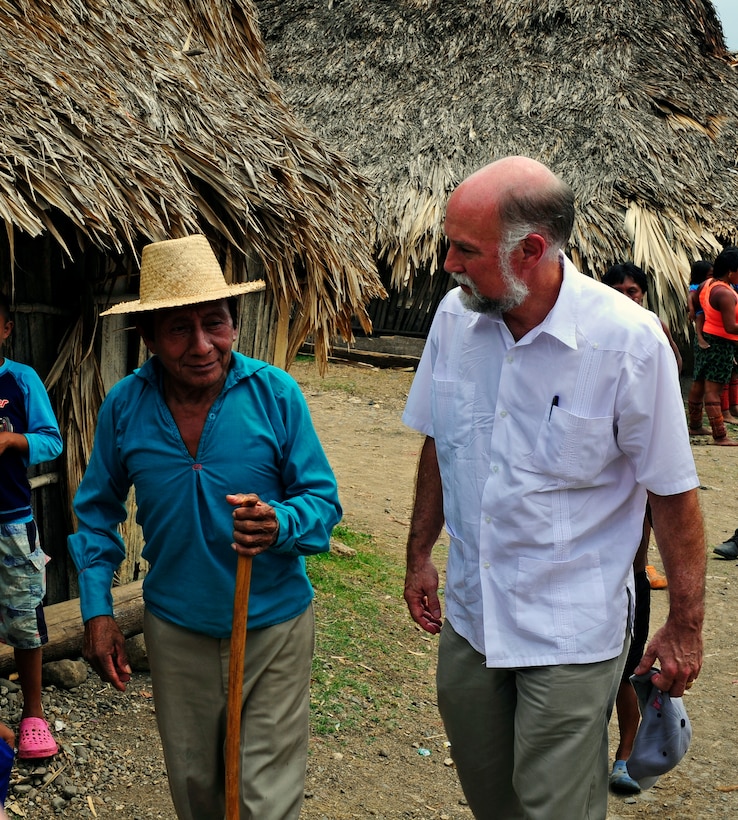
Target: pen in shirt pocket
554, 403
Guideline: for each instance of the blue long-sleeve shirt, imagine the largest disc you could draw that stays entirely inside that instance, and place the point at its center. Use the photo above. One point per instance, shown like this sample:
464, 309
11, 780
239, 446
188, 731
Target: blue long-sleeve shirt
258, 437
24, 408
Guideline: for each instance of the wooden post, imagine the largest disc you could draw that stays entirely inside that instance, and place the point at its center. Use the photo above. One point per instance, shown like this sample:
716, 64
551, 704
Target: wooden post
283, 330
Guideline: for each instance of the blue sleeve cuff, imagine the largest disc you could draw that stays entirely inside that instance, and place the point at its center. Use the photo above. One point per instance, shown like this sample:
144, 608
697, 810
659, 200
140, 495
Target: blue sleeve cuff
95, 595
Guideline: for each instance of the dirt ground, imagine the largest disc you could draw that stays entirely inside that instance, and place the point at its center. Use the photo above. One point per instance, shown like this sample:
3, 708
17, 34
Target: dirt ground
356, 411
374, 457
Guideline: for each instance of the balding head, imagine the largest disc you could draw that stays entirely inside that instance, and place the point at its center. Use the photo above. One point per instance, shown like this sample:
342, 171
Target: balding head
524, 196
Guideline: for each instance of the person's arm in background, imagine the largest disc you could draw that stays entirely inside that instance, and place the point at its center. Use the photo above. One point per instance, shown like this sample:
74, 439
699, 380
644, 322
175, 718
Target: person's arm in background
675, 349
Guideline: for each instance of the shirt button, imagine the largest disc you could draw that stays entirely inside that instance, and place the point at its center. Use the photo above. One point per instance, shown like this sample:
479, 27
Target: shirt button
495, 469
197, 466
487, 519
503, 413
211, 416
486, 564
509, 359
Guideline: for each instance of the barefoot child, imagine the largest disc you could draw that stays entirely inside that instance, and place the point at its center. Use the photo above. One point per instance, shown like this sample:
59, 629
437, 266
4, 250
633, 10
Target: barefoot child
29, 434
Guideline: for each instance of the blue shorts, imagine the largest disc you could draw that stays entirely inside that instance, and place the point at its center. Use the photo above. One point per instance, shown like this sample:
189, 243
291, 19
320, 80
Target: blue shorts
22, 586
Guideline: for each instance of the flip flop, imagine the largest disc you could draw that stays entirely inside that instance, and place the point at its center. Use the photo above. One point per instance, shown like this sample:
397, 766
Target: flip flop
35, 740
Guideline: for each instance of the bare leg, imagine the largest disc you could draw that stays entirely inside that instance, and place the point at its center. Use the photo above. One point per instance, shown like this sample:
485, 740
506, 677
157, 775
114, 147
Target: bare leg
725, 405
28, 662
713, 392
694, 402
629, 716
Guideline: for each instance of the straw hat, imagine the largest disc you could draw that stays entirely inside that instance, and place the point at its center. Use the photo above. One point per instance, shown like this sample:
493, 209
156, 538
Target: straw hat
180, 272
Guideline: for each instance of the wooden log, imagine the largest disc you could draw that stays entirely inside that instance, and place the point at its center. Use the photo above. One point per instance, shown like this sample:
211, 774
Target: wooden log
66, 631
367, 357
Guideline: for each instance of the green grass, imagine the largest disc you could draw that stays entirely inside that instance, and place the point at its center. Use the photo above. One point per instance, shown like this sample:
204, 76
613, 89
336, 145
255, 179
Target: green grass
340, 386
362, 661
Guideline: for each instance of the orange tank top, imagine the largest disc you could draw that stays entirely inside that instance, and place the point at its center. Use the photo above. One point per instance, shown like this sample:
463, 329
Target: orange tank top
713, 320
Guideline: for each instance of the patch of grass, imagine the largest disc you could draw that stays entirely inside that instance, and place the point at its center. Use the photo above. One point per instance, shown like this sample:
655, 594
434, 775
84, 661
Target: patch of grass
340, 386
363, 632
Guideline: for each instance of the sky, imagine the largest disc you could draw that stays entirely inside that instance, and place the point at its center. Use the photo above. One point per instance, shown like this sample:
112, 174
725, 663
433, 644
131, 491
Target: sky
728, 13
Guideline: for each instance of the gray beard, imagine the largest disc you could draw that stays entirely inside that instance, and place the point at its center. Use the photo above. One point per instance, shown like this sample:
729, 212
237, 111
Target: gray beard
517, 293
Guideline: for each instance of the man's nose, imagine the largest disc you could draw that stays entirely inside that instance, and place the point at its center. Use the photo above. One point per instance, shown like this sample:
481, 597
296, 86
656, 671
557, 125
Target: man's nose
452, 262
200, 340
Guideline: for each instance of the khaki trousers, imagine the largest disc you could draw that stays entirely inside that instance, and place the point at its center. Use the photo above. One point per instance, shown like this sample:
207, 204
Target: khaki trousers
189, 672
528, 743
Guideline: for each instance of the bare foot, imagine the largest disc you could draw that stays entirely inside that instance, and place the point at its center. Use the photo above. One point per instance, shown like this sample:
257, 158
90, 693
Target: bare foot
725, 442
729, 418
703, 344
703, 431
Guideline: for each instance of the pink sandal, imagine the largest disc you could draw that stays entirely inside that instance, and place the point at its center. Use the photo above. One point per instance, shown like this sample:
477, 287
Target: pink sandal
35, 740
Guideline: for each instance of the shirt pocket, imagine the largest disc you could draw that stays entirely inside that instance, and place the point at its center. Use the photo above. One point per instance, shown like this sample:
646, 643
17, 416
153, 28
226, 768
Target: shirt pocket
453, 412
560, 599
574, 448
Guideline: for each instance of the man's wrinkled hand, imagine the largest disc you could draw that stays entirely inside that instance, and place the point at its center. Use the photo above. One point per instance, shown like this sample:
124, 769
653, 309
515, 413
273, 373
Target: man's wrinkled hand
421, 596
255, 524
105, 650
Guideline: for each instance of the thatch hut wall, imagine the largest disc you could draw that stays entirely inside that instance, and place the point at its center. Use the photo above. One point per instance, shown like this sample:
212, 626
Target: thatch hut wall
634, 104
126, 123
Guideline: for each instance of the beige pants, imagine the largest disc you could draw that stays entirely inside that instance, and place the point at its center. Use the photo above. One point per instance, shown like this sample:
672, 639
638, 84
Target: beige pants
529, 743
189, 673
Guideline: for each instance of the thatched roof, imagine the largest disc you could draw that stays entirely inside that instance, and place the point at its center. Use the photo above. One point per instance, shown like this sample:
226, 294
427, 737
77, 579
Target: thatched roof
634, 103
137, 121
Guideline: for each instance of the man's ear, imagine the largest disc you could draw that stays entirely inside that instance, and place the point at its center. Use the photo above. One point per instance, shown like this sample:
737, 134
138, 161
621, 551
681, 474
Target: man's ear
148, 342
534, 248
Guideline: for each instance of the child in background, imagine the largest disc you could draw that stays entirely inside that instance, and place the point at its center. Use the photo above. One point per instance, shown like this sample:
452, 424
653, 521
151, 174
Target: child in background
632, 282
29, 434
701, 271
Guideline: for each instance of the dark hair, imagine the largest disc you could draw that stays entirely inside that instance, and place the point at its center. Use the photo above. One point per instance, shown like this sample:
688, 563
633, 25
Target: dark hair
549, 211
5, 307
617, 274
145, 321
725, 262
699, 271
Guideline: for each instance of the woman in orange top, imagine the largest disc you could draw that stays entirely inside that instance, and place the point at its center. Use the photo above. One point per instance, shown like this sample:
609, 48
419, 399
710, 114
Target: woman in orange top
713, 365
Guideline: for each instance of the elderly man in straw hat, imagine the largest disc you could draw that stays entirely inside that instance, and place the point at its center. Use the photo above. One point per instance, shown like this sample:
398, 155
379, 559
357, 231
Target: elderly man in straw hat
220, 449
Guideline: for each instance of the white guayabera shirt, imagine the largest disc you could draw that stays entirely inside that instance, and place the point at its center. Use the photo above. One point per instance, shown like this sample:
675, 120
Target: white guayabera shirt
546, 448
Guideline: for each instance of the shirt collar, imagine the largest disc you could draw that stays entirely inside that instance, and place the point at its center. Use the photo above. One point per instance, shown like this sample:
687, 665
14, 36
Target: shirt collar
561, 322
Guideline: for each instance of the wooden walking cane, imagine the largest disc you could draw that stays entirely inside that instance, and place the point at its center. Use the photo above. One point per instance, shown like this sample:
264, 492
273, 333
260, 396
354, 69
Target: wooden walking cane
235, 687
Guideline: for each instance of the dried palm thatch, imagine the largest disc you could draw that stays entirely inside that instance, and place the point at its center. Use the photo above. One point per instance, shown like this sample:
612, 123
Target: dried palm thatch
77, 373
138, 120
634, 104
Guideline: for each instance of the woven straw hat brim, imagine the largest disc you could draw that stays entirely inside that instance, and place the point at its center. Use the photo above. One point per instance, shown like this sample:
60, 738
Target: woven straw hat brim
141, 306
179, 272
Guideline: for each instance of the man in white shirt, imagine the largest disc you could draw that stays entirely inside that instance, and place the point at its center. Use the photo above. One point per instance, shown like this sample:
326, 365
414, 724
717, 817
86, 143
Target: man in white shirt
552, 410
